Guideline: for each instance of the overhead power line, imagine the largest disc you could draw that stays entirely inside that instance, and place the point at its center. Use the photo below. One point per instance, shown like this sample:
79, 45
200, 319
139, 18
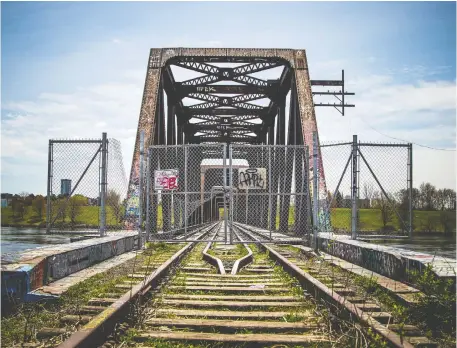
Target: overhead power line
407, 141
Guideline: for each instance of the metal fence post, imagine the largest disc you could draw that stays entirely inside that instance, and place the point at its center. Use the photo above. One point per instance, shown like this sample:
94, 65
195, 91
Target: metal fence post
140, 189
309, 216
410, 188
269, 190
185, 189
148, 193
354, 188
103, 187
48, 190
224, 173
231, 192
315, 193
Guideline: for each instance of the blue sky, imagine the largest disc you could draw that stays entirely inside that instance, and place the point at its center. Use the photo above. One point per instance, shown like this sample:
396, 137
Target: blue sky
77, 69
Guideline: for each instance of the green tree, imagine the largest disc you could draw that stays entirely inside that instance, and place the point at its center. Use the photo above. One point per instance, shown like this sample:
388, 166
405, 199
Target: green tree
113, 200
17, 205
38, 205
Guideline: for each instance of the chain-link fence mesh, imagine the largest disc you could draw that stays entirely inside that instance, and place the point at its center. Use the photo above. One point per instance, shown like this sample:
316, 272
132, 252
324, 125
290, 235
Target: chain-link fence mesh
335, 204
378, 175
270, 189
75, 182
184, 185
383, 188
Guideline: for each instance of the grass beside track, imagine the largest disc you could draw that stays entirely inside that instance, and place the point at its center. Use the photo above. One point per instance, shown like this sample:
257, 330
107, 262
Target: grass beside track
308, 312
435, 307
28, 318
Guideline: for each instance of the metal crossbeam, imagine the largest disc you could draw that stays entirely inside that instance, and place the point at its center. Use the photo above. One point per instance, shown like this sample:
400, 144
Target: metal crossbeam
255, 67
225, 89
211, 110
199, 67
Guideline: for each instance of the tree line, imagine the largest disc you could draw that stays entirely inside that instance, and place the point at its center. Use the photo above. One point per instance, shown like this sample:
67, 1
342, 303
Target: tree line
426, 197
62, 206
396, 205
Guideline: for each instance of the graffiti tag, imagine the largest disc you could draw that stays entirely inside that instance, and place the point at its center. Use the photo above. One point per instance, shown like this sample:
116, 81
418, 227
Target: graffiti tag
252, 178
166, 179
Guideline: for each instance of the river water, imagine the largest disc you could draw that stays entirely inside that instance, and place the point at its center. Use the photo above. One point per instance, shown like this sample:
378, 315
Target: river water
15, 239
439, 246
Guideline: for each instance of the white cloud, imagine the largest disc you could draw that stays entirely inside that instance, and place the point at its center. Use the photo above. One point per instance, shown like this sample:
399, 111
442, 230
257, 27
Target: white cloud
422, 113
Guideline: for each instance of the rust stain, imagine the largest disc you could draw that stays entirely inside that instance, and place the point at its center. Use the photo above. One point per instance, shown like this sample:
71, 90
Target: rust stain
99, 318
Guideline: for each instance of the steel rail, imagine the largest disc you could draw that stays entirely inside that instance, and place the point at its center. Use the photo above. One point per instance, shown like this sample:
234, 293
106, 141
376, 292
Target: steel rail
245, 260
98, 328
213, 260
320, 290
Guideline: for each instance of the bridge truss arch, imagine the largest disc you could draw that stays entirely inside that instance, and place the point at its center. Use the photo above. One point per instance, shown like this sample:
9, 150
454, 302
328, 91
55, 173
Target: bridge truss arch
239, 98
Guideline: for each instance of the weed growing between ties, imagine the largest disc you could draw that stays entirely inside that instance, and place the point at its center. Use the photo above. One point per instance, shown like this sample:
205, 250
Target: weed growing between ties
434, 311
29, 318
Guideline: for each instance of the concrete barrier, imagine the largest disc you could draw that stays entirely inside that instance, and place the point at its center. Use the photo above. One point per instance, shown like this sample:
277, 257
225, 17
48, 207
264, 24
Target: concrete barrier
24, 272
392, 262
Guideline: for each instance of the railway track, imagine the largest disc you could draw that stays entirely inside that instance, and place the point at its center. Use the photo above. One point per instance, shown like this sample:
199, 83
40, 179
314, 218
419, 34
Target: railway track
239, 295
352, 290
255, 307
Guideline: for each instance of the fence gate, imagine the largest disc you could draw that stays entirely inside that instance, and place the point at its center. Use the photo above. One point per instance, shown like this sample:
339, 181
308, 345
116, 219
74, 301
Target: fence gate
185, 192
270, 193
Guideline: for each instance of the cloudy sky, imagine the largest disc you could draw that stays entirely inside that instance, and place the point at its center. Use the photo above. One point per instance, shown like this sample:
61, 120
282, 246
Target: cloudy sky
75, 70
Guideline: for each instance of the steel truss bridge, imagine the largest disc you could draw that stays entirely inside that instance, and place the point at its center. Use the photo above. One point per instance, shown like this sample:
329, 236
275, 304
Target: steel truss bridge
229, 104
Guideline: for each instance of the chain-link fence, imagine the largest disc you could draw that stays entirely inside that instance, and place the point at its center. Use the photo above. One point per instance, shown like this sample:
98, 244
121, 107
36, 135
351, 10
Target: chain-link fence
188, 186
184, 187
87, 185
369, 188
280, 191
270, 190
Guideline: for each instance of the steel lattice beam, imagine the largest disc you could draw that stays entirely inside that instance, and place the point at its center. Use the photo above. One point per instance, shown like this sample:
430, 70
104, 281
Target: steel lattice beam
218, 105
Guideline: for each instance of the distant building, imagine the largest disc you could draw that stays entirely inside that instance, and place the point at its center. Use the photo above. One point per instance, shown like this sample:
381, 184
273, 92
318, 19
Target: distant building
65, 187
6, 199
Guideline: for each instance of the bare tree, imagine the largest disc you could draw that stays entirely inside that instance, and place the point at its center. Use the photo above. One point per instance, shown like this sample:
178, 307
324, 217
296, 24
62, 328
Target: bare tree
440, 199
368, 191
382, 203
113, 200
62, 208
449, 198
75, 207
24, 195
428, 195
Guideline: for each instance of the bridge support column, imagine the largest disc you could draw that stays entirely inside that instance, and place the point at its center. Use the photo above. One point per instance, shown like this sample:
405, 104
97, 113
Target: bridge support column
289, 156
